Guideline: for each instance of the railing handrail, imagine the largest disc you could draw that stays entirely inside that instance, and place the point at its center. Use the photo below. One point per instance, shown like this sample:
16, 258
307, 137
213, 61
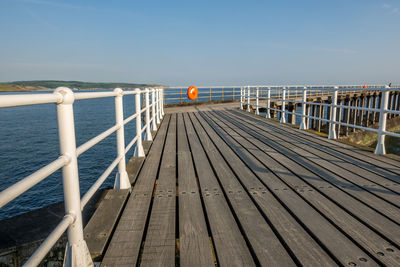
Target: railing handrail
64, 98
287, 86
177, 94
281, 95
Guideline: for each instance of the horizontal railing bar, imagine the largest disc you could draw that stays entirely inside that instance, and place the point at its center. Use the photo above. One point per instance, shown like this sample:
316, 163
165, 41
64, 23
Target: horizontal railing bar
36, 99
28, 182
341, 123
131, 144
342, 106
49, 242
292, 87
88, 195
90, 95
129, 92
127, 120
317, 118
275, 109
29, 99
356, 126
95, 140
391, 133
357, 108
143, 129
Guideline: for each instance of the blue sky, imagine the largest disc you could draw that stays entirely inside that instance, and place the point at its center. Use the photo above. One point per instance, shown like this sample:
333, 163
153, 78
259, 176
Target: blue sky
201, 42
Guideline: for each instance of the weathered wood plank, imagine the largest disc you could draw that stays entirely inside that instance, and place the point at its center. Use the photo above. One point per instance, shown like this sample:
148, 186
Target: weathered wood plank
194, 242
133, 168
338, 244
330, 173
254, 152
230, 246
264, 242
295, 164
134, 164
348, 162
159, 244
382, 162
98, 230
351, 173
126, 241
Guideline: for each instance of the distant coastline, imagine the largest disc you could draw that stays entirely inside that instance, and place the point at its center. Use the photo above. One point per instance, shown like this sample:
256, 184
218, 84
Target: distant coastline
46, 85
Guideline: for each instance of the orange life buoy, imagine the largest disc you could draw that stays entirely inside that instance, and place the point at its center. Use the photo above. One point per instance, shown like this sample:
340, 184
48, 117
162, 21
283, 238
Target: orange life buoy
192, 92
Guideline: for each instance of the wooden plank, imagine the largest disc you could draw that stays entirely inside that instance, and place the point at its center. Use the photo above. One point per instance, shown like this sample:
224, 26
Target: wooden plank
159, 244
98, 230
126, 241
146, 146
354, 185
365, 180
264, 242
318, 181
194, 242
133, 168
254, 152
229, 244
328, 147
354, 152
134, 164
338, 244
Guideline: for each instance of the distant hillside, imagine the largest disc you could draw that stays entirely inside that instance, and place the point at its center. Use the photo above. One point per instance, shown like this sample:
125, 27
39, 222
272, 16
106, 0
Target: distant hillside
50, 85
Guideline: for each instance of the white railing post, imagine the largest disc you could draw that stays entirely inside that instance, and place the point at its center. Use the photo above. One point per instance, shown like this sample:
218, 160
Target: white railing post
147, 105
241, 98
248, 99
303, 125
77, 253
139, 152
332, 124
380, 146
157, 106
268, 115
121, 179
257, 112
162, 102
283, 113
153, 110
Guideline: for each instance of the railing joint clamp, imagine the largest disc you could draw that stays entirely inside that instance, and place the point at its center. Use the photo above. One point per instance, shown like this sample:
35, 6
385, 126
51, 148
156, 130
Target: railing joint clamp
67, 158
72, 215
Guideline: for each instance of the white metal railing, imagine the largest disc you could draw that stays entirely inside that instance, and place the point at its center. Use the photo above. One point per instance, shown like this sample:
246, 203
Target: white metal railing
76, 252
177, 94
286, 95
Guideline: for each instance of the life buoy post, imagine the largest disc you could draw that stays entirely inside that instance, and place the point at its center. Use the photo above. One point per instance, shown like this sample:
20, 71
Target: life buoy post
192, 92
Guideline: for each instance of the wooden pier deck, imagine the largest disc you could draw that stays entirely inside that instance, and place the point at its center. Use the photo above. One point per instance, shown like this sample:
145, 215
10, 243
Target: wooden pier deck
228, 188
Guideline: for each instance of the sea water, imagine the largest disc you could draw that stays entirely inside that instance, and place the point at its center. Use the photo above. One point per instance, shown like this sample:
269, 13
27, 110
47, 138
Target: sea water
29, 141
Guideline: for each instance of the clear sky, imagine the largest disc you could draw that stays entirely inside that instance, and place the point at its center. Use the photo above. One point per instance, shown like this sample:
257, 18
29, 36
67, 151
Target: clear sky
201, 42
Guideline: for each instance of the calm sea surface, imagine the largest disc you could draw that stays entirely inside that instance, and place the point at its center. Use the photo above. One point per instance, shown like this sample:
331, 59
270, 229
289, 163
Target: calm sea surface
29, 141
